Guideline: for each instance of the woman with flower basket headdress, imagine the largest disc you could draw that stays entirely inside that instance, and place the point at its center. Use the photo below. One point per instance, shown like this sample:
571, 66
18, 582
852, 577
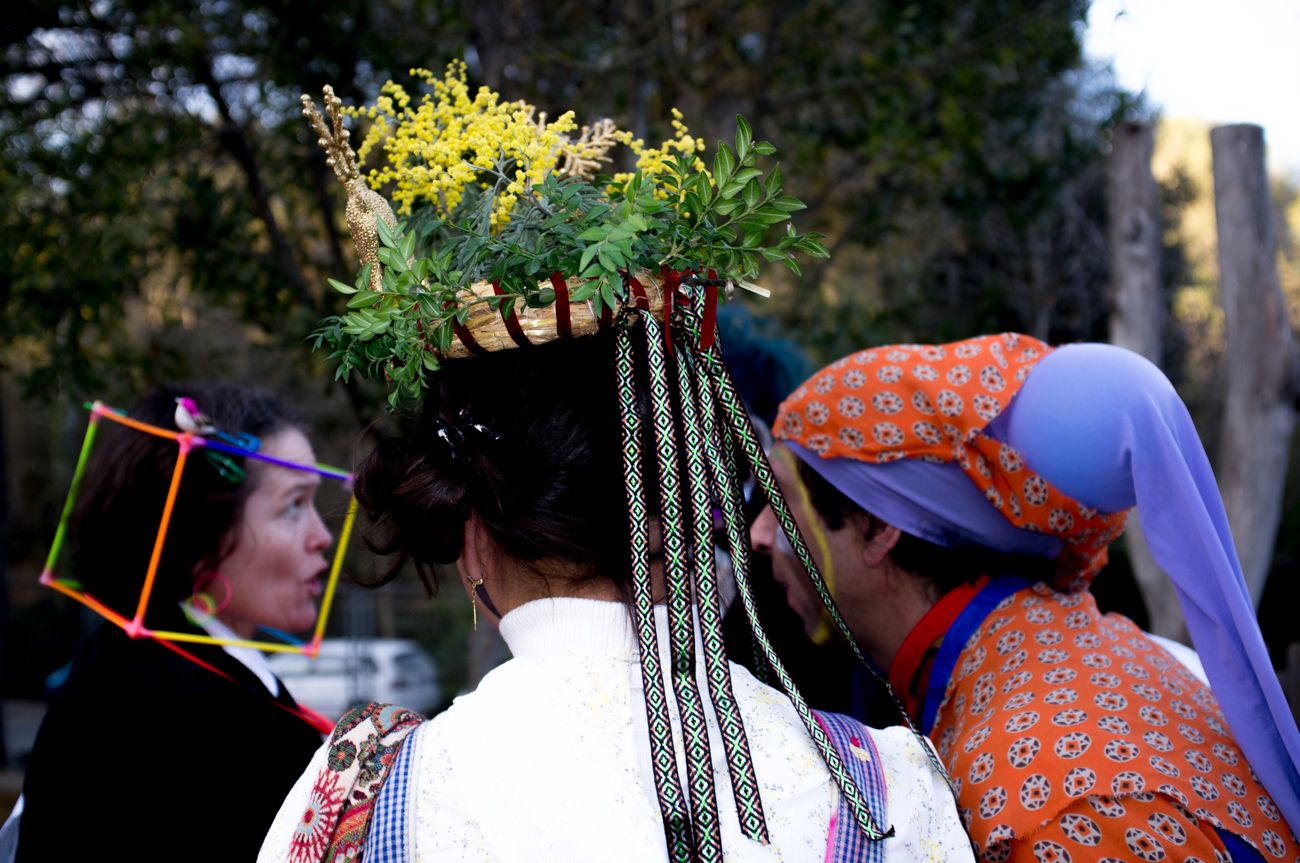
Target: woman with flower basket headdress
577, 430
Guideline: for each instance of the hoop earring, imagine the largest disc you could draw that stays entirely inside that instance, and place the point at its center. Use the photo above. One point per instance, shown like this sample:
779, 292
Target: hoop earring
201, 607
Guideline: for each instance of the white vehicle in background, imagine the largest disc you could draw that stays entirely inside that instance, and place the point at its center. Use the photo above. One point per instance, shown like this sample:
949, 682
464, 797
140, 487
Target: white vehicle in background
356, 671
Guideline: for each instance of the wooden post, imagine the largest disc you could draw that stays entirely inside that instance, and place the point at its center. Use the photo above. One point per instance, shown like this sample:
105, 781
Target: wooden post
1137, 313
1137, 320
1259, 408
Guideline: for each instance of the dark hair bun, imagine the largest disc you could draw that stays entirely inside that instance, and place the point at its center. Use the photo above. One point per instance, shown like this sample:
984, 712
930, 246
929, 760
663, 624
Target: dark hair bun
528, 440
417, 497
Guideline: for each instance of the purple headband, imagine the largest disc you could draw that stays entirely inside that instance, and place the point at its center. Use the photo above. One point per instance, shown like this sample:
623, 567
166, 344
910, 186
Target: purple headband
1105, 426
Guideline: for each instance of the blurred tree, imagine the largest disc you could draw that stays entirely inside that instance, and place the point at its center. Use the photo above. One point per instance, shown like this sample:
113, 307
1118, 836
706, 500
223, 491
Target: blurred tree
154, 164
153, 153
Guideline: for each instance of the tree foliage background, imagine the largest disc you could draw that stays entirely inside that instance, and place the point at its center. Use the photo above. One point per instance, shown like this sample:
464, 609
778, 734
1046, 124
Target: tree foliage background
167, 212
154, 152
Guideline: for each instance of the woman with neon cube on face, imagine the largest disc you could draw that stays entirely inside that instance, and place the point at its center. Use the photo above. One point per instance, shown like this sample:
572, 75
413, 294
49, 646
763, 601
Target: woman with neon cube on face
151, 734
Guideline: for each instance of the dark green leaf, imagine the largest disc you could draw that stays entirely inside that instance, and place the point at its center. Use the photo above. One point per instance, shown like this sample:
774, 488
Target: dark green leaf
744, 135
694, 205
727, 160
385, 233
610, 258
789, 203
721, 169
769, 215
772, 185
812, 248
363, 277
392, 259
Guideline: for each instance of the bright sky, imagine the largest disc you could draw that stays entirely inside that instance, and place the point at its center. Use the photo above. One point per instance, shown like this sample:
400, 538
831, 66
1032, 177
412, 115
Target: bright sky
1224, 61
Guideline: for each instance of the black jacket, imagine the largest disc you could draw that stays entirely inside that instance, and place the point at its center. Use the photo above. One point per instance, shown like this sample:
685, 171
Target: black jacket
144, 755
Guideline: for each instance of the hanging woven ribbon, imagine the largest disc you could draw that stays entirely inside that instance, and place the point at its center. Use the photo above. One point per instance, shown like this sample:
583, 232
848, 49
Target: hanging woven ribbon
681, 620
673, 806
699, 430
718, 398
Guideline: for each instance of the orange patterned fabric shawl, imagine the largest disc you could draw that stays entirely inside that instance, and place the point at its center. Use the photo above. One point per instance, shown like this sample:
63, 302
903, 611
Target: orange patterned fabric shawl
1070, 735
934, 402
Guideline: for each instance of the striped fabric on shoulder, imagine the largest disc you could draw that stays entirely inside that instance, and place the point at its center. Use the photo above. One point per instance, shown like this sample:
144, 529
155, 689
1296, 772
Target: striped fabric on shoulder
853, 743
389, 837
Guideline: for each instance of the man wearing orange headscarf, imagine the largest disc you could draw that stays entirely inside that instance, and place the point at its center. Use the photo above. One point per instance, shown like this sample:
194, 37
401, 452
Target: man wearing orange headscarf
964, 496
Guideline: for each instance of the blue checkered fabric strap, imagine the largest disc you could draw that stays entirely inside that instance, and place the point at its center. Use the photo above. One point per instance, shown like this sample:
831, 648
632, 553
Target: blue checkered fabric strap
388, 839
852, 742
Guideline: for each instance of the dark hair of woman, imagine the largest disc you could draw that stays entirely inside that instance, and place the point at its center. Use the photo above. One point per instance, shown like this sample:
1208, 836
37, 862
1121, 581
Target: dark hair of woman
529, 447
115, 521
943, 568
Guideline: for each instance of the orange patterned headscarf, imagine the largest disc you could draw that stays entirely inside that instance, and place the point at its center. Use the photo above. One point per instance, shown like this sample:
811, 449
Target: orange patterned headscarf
934, 402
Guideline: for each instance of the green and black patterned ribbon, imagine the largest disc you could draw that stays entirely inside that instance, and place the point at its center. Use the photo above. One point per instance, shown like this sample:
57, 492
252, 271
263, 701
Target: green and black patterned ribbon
705, 450
733, 414
740, 764
712, 397
673, 805
681, 619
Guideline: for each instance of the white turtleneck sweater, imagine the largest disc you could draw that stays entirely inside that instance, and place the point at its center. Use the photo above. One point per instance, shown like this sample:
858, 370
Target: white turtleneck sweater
549, 760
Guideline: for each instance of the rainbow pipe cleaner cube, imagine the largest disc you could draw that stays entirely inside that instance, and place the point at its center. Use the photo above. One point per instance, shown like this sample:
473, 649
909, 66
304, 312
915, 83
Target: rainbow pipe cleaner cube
187, 443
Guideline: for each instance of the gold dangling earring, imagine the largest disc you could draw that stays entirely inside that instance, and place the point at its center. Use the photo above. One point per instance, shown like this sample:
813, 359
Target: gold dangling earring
474, 585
